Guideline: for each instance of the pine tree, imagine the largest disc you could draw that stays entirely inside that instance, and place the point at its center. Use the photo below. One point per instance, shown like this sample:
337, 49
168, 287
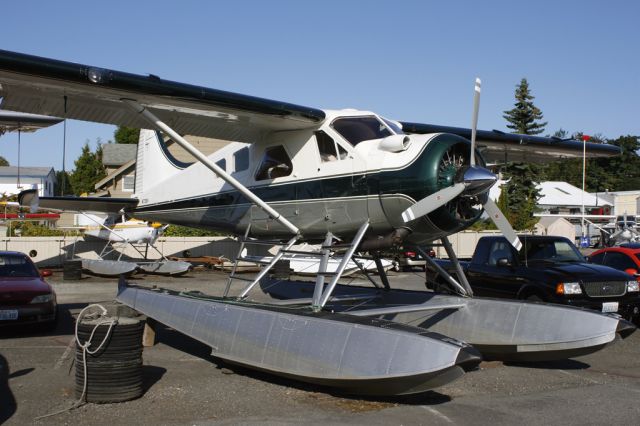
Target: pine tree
521, 193
3, 161
89, 170
523, 116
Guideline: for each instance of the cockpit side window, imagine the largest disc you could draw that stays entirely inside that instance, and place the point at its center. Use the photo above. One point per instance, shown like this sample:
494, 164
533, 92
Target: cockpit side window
326, 147
241, 159
358, 129
329, 150
275, 163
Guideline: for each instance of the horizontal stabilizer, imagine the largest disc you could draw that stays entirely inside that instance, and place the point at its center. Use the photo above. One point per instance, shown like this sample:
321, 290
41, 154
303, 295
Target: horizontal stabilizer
30, 198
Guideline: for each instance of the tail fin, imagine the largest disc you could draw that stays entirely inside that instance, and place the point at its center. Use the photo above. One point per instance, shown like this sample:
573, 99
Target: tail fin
154, 162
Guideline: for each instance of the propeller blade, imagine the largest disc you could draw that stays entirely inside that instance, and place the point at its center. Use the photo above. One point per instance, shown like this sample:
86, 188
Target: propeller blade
30, 198
502, 223
432, 202
474, 121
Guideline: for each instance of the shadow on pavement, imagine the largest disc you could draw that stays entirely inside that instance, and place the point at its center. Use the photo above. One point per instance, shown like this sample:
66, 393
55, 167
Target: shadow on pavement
7, 400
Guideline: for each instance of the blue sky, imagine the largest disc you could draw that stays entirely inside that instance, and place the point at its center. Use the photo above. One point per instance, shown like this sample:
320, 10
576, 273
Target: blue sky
407, 60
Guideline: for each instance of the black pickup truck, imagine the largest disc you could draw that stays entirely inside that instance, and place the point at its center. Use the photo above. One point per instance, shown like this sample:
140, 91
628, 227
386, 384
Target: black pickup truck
547, 268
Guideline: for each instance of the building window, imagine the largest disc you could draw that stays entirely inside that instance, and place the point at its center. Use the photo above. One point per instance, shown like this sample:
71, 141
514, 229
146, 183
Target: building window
128, 183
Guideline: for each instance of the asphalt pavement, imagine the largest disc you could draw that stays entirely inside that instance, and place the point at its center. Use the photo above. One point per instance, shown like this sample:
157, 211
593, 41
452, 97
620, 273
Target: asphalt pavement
185, 385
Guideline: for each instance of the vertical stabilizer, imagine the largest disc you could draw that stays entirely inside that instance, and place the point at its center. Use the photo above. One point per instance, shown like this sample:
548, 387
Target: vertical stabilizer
154, 162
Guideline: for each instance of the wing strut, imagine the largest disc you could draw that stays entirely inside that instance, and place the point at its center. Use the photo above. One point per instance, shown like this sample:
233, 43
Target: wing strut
158, 124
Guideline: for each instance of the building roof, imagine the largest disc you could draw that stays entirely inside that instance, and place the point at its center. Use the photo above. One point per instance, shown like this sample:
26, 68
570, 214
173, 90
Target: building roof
561, 194
117, 154
12, 171
554, 193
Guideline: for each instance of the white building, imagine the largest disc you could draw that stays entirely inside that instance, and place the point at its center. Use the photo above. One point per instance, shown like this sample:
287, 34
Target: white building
563, 198
624, 202
12, 180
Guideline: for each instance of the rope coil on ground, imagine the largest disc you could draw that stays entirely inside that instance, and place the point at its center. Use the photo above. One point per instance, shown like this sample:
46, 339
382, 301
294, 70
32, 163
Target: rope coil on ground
85, 349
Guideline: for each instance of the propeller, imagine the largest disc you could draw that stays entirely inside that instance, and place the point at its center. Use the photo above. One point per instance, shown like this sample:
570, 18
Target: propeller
473, 182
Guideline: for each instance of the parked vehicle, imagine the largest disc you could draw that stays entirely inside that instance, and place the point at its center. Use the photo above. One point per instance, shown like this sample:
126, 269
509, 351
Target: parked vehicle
405, 259
549, 269
625, 257
25, 297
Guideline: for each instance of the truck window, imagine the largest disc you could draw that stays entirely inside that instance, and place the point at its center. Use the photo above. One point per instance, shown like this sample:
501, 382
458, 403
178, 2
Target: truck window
500, 250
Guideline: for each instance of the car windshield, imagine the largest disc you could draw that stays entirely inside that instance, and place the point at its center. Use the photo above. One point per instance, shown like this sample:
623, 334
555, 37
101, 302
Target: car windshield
15, 265
550, 250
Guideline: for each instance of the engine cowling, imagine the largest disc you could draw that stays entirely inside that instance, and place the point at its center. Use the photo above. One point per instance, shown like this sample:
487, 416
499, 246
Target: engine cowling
439, 165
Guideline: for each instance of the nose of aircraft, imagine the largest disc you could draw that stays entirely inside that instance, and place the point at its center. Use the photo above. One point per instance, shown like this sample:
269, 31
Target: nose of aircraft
477, 180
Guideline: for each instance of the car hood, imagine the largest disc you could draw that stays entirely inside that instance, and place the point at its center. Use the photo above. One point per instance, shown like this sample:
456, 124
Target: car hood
22, 289
584, 271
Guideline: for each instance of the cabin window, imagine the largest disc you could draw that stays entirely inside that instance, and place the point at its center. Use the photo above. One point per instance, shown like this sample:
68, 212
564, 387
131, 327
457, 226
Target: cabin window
329, 150
241, 159
274, 164
358, 129
222, 164
128, 183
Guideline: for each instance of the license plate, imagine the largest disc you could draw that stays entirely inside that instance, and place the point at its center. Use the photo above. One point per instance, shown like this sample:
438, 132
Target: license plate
610, 307
9, 314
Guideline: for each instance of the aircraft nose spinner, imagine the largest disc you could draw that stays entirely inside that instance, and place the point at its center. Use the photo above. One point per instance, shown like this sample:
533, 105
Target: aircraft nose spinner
477, 180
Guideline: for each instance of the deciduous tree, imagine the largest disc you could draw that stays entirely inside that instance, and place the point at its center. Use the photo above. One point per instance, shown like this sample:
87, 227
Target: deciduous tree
126, 135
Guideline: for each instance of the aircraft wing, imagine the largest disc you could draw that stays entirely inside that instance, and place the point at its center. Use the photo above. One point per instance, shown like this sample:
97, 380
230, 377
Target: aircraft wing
13, 121
30, 198
40, 85
500, 147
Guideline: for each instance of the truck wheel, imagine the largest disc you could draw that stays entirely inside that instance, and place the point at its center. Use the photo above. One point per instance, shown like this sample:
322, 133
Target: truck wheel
534, 298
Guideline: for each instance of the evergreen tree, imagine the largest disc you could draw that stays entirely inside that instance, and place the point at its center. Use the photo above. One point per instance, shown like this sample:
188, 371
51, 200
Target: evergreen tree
89, 170
126, 135
60, 177
3, 161
520, 192
626, 167
523, 116
520, 195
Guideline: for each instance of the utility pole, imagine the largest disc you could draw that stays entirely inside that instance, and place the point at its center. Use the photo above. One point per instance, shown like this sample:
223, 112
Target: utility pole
585, 138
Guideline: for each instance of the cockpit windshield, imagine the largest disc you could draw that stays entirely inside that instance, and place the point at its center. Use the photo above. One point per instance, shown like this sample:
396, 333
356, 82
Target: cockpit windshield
358, 129
396, 129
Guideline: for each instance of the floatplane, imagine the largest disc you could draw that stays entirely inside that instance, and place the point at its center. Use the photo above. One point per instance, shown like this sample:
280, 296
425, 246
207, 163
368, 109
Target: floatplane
120, 232
352, 180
